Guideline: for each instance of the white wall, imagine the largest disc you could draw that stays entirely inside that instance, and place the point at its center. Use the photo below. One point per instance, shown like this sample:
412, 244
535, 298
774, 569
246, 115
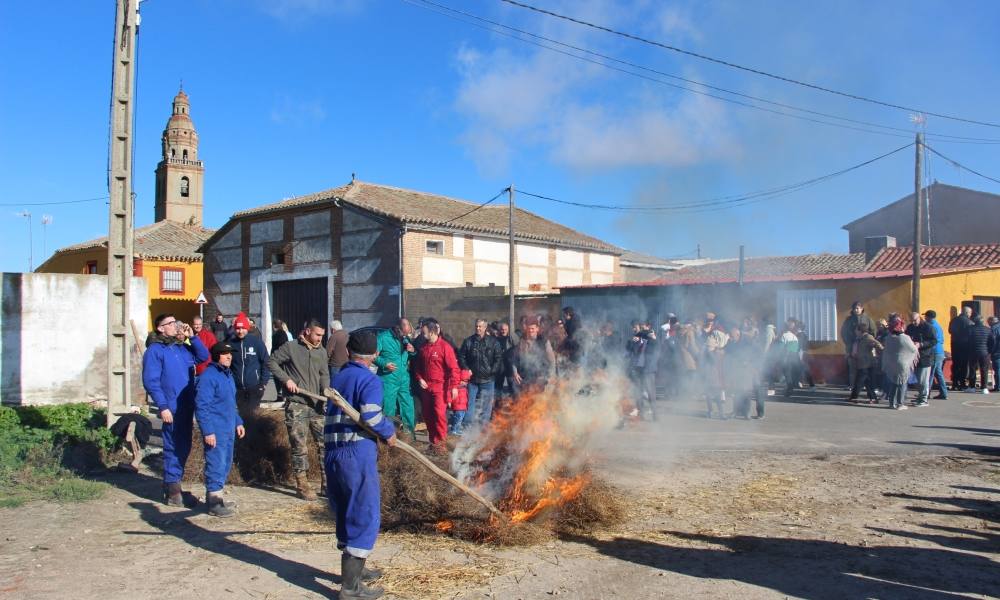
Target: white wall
602, 262
442, 270
490, 250
569, 259
53, 337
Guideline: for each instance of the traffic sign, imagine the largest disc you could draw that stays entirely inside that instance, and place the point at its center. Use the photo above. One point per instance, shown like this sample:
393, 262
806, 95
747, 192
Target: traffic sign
201, 299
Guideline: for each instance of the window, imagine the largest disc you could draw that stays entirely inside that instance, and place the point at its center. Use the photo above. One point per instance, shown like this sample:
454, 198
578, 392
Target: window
435, 247
816, 308
185, 183
173, 153
171, 281
91, 268
278, 259
185, 157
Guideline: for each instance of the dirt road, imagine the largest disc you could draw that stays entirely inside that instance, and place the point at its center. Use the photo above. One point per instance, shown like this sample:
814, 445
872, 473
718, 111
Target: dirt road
743, 520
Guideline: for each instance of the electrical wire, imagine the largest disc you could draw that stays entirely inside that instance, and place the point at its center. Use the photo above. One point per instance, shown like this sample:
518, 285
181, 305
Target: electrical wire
960, 165
53, 203
745, 68
725, 202
465, 16
462, 216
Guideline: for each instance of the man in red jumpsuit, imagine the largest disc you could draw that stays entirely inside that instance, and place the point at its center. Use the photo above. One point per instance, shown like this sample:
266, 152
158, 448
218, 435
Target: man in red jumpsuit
437, 372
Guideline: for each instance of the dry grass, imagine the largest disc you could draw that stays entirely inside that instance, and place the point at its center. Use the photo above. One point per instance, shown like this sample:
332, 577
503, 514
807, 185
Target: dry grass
263, 457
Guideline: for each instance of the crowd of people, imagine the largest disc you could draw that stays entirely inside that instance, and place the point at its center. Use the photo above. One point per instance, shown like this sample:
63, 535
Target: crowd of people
885, 357
217, 373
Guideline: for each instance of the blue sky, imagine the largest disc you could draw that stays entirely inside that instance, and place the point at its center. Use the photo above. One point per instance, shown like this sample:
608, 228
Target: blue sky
292, 96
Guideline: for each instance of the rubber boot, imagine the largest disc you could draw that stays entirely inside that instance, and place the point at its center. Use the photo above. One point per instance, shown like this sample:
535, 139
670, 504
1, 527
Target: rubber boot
351, 586
371, 574
302, 485
217, 507
172, 494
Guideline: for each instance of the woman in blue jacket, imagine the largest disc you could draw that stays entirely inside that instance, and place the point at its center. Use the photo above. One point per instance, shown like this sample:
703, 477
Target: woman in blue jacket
220, 423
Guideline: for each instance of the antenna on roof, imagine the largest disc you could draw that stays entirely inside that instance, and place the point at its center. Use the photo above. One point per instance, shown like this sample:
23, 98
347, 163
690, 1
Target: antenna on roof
353, 177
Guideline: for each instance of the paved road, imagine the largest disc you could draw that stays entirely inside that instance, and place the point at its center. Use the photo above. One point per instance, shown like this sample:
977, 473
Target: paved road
815, 421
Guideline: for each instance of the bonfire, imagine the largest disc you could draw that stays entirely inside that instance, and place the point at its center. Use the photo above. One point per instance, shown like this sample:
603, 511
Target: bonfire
531, 460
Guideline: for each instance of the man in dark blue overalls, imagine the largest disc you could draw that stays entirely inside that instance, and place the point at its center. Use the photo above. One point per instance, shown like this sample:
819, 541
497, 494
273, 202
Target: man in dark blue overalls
220, 424
168, 366
351, 453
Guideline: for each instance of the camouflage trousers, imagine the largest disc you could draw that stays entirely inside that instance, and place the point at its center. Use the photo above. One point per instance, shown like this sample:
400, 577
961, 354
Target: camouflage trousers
304, 425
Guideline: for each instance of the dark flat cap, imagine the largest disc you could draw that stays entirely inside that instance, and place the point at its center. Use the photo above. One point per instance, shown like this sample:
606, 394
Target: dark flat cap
362, 342
221, 348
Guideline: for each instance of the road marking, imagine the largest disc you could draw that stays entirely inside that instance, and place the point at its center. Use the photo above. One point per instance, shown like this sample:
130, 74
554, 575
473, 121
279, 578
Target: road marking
981, 404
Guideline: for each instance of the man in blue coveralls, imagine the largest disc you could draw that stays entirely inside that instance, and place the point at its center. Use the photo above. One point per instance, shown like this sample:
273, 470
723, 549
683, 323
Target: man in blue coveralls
352, 479
168, 376
220, 424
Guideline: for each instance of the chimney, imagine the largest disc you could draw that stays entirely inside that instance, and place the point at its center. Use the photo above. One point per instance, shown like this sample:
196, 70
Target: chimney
874, 244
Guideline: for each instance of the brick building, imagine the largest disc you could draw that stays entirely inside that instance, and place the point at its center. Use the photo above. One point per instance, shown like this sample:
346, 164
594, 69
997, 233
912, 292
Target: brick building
353, 252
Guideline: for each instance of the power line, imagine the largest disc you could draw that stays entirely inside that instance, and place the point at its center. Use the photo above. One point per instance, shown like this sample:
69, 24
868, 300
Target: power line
745, 68
959, 165
725, 202
53, 203
462, 216
466, 17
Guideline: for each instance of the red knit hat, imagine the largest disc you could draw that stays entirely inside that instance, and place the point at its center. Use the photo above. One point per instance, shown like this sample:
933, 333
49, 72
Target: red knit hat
241, 321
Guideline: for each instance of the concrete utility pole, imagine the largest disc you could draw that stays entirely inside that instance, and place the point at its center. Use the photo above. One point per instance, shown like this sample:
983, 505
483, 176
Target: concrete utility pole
120, 210
918, 215
512, 279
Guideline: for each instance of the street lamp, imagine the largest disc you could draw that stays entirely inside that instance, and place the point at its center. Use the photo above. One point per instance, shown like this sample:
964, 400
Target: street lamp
27, 215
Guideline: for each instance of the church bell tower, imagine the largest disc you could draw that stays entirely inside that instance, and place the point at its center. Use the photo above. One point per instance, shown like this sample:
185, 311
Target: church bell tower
180, 175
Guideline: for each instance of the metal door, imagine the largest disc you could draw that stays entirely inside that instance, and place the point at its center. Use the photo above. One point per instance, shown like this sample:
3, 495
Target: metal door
296, 301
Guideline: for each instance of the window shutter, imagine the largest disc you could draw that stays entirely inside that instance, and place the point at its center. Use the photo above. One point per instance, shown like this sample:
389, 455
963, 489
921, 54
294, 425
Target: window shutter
816, 308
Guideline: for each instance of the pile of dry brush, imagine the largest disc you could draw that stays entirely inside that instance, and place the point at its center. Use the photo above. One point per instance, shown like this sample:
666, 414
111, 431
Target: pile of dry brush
413, 499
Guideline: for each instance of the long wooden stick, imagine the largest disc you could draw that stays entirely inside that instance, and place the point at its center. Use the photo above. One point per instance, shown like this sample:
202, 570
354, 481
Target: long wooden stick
341, 402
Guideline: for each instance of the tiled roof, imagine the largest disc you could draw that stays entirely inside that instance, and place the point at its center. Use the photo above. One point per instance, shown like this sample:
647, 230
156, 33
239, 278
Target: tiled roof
431, 210
165, 240
770, 267
629, 258
937, 257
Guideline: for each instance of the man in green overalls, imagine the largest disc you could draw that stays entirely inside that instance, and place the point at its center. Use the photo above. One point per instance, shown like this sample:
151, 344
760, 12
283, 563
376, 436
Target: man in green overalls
394, 352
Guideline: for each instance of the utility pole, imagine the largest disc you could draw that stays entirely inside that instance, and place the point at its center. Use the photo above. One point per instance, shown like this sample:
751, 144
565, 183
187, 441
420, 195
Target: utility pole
918, 215
512, 279
120, 210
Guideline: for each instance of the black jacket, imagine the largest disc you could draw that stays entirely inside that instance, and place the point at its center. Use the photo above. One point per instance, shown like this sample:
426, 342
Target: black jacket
923, 334
219, 330
483, 356
994, 345
959, 331
249, 362
979, 340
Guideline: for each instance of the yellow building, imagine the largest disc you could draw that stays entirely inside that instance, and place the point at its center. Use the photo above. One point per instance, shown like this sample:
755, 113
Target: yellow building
164, 256
166, 252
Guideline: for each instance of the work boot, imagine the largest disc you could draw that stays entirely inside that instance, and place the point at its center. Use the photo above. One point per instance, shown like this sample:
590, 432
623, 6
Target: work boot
302, 485
217, 507
351, 586
172, 494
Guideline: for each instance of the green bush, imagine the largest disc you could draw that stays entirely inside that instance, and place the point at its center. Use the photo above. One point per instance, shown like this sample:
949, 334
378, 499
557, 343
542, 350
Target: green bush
9, 419
34, 443
71, 423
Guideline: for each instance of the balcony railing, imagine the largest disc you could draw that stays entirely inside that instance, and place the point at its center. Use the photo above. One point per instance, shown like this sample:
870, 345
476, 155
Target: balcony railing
184, 161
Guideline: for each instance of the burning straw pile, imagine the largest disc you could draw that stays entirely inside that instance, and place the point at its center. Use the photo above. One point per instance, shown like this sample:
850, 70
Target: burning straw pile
530, 460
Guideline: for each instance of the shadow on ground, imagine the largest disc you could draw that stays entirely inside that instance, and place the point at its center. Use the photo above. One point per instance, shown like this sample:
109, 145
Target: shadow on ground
815, 569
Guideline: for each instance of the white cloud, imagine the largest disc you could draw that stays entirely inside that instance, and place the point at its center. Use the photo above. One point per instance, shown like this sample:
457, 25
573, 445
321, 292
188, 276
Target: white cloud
581, 115
294, 111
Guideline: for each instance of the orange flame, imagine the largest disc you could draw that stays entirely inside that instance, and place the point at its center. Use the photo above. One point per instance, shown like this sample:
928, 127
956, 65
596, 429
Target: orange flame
529, 457
444, 526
